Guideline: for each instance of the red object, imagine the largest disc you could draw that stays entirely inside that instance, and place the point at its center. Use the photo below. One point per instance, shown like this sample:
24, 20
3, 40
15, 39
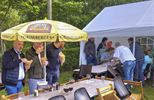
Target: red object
109, 44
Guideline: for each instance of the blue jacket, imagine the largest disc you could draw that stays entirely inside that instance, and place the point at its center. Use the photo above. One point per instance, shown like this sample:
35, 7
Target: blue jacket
139, 54
53, 58
10, 67
147, 60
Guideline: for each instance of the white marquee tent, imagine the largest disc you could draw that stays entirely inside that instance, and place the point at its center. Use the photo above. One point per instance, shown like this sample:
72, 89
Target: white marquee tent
134, 19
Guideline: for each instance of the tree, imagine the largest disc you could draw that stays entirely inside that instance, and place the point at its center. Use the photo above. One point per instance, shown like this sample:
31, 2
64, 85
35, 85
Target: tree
8, 15
75, 12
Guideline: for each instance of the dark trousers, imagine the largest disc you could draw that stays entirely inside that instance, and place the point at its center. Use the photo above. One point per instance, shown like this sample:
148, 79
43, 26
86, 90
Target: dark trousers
91, 60
147, 70
152, 75
138, 70
53, 77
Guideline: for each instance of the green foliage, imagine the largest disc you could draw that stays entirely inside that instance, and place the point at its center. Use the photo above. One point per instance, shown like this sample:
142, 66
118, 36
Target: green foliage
72, 59
35, 10
8, 44
8, 16
75, 12
71, 45
70, 12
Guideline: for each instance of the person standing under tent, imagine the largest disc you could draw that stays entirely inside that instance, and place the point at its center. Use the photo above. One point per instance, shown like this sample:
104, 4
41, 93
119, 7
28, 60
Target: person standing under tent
101, 48
107, 55
36, 71
152, 56
109, 44
126, 57
139, 55
90, 52
146, 66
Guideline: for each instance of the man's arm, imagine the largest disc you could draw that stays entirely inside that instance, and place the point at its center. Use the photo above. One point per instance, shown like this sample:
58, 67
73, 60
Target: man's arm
31, 57
9, 61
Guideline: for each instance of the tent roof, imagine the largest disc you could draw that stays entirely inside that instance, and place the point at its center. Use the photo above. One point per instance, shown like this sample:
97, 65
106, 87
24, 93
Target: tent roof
134, 19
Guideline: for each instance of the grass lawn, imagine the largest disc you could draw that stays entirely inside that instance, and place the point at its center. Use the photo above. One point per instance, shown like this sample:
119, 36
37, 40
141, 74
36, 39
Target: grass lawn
149, 93
66, 76
149, 90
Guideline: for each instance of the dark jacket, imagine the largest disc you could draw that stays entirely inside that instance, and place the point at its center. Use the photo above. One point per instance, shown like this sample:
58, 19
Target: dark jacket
89, 48
139, 54
10, 67
53, 58
100, 46
36, 70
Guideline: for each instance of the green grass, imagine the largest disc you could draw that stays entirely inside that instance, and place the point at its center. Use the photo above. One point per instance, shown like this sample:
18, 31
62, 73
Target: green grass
148, 90
66, 76
2, 92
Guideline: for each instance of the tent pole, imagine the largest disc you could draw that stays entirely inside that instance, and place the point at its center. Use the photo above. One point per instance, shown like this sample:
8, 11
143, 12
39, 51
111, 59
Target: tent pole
134, 46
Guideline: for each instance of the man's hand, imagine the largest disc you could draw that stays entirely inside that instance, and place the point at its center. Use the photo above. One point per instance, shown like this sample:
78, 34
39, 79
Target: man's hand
27, 64
44, 61
114, 61
61, 58
24, 60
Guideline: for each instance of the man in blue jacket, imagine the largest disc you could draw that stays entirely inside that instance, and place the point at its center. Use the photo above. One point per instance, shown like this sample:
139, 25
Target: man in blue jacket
13, 68
139, 55
53, 55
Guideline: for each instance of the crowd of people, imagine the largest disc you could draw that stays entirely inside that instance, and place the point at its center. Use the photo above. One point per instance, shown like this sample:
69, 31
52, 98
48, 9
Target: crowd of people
136, 61
15, 65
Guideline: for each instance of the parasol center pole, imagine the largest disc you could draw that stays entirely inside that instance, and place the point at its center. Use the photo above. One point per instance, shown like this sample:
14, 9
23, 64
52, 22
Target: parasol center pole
49, 9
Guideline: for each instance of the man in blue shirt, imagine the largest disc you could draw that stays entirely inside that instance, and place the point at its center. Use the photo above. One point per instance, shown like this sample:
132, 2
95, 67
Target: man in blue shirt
53, 56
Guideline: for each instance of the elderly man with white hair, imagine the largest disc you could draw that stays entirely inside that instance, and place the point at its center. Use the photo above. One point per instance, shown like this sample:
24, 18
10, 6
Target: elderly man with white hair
14, 66
126, 57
